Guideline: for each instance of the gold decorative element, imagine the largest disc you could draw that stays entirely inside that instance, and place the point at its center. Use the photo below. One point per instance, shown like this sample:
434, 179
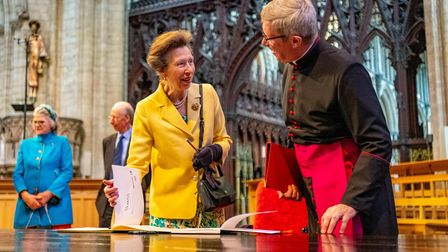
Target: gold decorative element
195, 106
421, 154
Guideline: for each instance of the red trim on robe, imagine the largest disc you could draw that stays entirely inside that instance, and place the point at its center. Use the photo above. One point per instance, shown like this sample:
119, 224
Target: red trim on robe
375, 156
330, 167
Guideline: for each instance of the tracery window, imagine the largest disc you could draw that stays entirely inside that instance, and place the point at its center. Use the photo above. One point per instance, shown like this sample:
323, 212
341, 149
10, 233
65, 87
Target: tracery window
387, 36
423, 104
377, 61
265, 69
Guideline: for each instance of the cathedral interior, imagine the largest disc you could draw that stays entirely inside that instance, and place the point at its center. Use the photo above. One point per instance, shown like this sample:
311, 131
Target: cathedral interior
248, 78
97, 56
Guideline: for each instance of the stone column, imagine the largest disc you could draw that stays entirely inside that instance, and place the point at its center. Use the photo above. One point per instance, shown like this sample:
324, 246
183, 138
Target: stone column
91, 73
436, 28
86, 42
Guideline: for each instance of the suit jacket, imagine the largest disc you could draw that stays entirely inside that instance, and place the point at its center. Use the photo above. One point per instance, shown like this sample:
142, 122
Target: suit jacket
108, 155
158, 139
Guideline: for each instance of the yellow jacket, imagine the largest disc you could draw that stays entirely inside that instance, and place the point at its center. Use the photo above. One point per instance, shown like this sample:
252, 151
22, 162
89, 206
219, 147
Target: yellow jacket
158, 139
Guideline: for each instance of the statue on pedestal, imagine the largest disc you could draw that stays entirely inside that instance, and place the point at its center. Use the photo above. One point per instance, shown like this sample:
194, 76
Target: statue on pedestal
37, 56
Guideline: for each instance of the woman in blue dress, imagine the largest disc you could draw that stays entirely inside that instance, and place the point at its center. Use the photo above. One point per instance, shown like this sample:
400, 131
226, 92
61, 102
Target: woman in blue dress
42, 175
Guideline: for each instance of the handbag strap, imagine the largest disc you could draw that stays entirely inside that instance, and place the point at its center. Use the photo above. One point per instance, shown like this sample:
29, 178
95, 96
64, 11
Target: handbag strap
201, 128
201, 122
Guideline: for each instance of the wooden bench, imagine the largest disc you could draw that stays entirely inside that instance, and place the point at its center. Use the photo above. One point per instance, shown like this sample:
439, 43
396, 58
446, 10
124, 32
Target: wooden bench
421, 197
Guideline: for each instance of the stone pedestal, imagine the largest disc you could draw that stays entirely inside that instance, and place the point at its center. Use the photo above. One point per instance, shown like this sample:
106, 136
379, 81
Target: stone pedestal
11, 134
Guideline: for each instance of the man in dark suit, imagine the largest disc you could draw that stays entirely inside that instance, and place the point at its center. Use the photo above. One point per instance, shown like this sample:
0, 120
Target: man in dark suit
115, 152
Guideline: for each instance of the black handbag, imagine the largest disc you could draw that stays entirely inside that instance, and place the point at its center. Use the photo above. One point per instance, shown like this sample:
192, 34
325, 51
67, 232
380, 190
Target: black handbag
214, 192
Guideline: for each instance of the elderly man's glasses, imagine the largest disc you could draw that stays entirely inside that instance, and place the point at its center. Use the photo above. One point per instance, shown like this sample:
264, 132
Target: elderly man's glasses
111, 117
266, 38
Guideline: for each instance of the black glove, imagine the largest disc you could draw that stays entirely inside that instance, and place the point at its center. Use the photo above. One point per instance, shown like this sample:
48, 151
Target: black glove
206, 155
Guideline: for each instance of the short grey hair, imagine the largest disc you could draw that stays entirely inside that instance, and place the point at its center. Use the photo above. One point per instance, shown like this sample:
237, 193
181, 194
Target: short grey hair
125, 107
291, 17
47, 110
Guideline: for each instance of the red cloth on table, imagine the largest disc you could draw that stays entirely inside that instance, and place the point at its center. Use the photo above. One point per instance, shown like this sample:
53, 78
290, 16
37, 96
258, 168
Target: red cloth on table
291, 215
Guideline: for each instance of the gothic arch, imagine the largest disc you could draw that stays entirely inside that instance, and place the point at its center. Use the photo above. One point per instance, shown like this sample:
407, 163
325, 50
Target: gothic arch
364, 44
227, 37
240, 71
141, 84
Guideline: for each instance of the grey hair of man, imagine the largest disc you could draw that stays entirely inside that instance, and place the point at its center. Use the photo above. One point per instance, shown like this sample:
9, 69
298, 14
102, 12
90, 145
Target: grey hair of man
47, 110
291, 17
127, 108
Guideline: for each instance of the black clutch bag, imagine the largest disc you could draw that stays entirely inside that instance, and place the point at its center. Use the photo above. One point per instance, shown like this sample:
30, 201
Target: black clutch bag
215, 192
54, 201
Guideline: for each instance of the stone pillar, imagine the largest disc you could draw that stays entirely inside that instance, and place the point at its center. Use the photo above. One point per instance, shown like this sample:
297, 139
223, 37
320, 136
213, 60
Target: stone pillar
436, 28
86, 42
92, 70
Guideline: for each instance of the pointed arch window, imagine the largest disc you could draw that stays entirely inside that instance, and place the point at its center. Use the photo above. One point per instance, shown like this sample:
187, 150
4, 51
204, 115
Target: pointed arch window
265, 69
377, 62
423, 103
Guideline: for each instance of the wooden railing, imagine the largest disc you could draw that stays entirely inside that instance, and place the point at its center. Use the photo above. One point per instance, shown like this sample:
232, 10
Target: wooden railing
83, 194
420, 192
421, 196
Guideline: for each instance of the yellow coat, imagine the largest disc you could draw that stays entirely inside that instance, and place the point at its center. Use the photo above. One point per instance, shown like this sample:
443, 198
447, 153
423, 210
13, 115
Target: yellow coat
158, 139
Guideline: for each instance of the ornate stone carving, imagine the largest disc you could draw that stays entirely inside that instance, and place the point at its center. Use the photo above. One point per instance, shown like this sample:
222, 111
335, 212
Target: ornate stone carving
227, 35
221, 30
19, 15
11, 133
73, 130
399, 23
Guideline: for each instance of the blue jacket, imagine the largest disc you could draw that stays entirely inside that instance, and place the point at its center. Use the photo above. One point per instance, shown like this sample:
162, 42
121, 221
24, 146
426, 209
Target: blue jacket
44, 163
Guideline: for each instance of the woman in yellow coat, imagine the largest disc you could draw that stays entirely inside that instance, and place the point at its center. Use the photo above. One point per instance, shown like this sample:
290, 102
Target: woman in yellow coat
163, 121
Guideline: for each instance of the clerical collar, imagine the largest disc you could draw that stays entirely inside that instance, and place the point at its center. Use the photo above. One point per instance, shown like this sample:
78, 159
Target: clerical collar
302, 58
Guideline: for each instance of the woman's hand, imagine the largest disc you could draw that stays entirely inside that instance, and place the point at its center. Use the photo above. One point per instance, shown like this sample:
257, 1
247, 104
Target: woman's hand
111, 192
292, 193
32, 201
206, 155
44, 197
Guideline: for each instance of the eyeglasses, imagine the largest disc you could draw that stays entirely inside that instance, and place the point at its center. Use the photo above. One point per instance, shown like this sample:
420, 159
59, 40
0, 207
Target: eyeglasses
116, 117
111, 117
266, 38
39, 122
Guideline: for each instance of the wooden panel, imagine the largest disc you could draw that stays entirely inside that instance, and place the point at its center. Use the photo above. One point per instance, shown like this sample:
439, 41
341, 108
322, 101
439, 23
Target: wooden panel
7, 210
421, 197
84, 210
83, 193
421, 167
252, 196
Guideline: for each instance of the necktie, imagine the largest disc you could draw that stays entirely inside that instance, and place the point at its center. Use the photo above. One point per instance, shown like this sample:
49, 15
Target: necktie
118, 152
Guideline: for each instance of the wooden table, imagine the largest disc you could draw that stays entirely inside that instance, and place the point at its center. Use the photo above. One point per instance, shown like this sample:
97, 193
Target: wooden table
47, 240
